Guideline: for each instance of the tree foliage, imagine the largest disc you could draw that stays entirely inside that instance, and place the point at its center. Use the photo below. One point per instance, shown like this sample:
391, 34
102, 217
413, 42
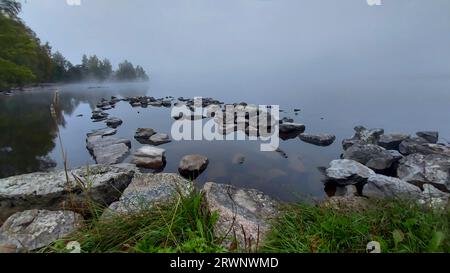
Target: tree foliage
25, 60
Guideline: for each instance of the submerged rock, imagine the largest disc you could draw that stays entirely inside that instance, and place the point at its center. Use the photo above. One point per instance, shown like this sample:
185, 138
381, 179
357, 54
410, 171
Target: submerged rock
150, 157
52, 191
380, 186
191, 166
145, 190
319, 140
238, 159
33, 229
348, 172
244, 214
419, 169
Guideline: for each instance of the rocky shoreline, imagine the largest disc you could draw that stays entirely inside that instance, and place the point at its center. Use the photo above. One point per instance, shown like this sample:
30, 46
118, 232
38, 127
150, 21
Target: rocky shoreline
39, 208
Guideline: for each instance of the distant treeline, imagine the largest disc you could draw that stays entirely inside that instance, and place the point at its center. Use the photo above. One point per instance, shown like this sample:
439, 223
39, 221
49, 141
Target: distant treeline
92, 68
25, 60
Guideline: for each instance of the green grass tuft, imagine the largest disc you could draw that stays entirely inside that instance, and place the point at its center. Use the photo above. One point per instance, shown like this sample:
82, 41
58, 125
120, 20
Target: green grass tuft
399, 226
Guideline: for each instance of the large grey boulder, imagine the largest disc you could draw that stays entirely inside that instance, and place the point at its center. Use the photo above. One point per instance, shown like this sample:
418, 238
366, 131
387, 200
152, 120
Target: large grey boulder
419, 169
146, 190
380, 186
392, 141
102, 184
150, 157
373, 156
244, 214
348, 172
191, 166
33, 229
363, 136
319, 140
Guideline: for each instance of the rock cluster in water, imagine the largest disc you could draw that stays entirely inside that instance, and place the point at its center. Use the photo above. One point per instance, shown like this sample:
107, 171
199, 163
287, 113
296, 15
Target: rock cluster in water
394, 165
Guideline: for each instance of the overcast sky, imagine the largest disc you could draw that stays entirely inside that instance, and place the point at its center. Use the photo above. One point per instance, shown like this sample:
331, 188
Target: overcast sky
218, 36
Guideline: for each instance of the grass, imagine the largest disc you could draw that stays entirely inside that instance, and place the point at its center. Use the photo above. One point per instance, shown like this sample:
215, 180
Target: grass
181, 225
400, 226
184, 225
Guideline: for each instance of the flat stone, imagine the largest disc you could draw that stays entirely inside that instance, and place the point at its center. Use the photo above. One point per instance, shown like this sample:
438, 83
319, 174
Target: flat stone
319, 140
150, 157
159, 139
33, 229
146, 190
102, 132
348, 172
244, 213
107, 150
191, 166
380, 186
52, 191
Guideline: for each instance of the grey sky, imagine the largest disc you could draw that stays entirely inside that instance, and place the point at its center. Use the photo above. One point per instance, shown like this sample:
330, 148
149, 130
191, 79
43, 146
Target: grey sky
211, 37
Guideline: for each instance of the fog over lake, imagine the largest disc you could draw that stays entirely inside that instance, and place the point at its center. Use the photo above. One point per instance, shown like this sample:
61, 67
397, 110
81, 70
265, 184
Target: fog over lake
343, 63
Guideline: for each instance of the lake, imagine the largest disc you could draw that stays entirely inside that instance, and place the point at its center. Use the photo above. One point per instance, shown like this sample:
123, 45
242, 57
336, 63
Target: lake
335, 106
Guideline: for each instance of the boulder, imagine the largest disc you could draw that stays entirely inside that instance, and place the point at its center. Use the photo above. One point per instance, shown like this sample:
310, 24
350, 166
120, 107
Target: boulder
380, 186
373, 156
150, 157
143, 135
363, 136
33, 229
52, 191
420, 145
244, 214
145, 190
159, 139
418, 169
430, 136
319, 140
191, 166
392, 141
114, 122
348, 172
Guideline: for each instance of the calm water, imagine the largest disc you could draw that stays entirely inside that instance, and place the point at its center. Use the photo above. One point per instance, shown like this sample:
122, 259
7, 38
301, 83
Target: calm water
398, 105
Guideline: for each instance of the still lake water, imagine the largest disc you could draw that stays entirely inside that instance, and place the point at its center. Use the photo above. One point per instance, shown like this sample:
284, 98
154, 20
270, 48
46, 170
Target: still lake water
397, 105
